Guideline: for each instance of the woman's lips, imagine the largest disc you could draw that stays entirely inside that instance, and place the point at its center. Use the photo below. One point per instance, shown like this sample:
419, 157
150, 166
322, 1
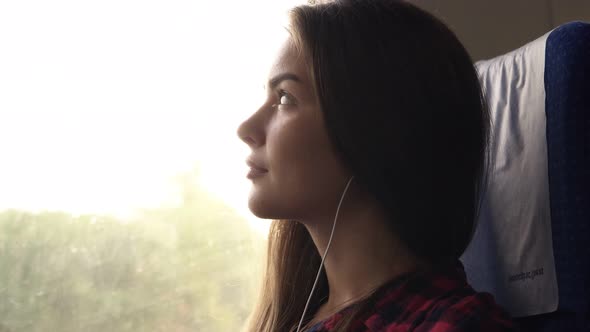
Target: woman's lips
254, 173
255, 170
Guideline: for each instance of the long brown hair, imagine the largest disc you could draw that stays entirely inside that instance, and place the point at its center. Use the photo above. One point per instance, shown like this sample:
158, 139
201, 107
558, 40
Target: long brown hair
404, 109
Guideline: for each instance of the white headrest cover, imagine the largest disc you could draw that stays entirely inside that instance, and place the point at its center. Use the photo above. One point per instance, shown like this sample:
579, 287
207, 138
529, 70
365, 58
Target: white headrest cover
511, 254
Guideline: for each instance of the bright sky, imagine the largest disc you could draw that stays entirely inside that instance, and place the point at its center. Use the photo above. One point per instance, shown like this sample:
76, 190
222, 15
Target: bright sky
103, 102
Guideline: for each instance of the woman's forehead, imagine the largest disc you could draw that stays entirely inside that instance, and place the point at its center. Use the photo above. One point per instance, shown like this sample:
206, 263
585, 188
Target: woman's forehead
289, 60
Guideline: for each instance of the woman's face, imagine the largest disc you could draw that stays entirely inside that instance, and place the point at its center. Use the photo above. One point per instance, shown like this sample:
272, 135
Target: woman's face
295, 172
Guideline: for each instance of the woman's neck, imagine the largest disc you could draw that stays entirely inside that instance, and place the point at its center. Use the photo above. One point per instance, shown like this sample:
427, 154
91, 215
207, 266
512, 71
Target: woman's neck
363, 255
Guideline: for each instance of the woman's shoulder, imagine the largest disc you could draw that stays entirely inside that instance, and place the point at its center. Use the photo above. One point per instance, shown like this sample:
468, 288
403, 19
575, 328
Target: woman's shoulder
437, 302
464, 312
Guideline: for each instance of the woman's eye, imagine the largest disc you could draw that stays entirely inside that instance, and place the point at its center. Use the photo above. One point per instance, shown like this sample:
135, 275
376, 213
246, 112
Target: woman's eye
285, 99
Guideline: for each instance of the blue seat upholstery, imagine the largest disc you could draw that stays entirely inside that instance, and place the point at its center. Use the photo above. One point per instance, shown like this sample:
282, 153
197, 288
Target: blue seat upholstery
567, 107
559, 101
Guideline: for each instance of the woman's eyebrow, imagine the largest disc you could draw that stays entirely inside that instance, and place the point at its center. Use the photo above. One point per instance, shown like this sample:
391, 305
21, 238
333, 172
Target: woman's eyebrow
273, 82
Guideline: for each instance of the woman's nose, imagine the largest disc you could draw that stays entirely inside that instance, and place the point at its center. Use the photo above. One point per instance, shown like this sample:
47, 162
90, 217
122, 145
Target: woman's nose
251, 132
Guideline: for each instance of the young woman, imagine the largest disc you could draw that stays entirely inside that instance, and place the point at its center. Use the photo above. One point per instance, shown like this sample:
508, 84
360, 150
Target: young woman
374, 122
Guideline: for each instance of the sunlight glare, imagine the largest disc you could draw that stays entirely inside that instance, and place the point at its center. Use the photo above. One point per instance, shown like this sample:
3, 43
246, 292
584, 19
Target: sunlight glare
103, 103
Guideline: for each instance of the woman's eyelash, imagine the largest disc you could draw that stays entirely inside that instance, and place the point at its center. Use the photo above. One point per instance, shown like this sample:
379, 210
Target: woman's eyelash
282, 93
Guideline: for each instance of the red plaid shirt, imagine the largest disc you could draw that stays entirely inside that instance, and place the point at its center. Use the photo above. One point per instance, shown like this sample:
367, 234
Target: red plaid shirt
434, 302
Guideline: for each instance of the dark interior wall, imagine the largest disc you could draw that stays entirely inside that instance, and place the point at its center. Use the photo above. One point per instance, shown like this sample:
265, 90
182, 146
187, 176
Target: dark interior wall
489, 28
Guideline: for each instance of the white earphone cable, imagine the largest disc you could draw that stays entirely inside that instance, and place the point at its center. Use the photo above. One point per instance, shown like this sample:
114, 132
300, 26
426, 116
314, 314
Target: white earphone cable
325, 254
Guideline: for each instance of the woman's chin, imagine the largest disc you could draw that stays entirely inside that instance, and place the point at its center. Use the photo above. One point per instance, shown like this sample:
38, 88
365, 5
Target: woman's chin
258, 206
263, 208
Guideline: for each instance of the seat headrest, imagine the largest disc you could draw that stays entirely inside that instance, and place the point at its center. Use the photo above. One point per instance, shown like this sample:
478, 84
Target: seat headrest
531, 246
511, 253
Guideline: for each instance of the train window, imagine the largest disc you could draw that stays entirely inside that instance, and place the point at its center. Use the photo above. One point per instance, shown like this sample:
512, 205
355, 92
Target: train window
123, 195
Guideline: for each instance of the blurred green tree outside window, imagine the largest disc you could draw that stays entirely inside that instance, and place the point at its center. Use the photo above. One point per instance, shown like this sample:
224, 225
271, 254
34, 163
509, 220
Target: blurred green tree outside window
194, 267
